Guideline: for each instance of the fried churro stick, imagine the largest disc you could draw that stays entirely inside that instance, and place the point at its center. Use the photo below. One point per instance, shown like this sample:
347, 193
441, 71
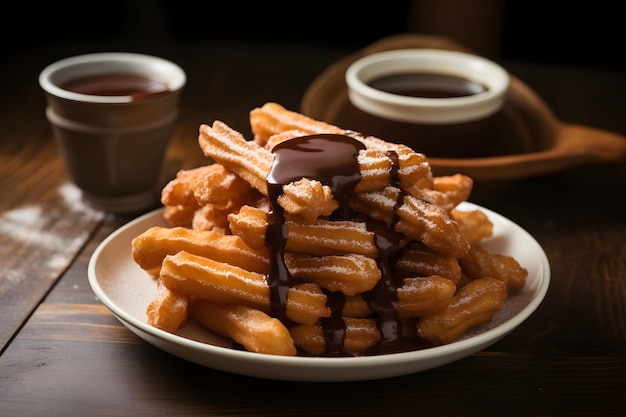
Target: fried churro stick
457, 188
414, 171
431, 225
306, 303
222, 189
201, 198
221, 282
249, 224
423, 296
179, 191
474, 225
152, 246
474, 304
253, 329
378, 205
356, 306
178, 198
272, 119
375, 168
481, 263
179, 216
168, 310
417, 260
220, 192
210, 218
417, 297
351, 274
229, 148
330, 238
308, 200
448, 191
274, 140
360, 335
320, 238
417, 219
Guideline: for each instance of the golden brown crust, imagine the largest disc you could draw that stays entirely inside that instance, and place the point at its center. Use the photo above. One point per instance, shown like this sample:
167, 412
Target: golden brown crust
473, 304
253, 329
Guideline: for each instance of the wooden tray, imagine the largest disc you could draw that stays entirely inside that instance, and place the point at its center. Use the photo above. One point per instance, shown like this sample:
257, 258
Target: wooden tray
534, 141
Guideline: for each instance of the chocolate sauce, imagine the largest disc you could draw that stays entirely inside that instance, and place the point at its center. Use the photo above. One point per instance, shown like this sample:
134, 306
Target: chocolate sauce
334, 327
395, 167
383, 298
121, 84
427, 85
328, 158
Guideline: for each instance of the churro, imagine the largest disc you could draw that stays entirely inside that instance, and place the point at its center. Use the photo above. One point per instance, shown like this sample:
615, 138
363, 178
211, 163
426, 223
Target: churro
168, 310
474, 304
481, 263
323, 237
255, 330
150, 248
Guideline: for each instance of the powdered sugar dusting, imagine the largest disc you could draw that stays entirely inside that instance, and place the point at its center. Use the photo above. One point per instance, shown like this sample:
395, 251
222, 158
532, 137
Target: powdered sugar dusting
43, 238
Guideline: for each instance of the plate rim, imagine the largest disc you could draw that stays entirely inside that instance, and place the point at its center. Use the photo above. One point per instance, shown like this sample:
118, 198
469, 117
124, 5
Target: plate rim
324, 369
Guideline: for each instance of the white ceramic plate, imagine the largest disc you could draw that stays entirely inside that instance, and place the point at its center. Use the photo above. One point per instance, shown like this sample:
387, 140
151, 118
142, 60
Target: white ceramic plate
127, 290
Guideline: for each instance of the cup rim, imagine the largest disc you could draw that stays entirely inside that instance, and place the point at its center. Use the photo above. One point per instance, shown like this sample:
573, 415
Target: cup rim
421, 109
173, 75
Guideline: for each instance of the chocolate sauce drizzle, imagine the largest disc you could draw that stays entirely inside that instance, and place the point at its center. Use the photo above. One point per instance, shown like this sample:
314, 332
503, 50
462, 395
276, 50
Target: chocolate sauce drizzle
383, 298
332, 160
328, 158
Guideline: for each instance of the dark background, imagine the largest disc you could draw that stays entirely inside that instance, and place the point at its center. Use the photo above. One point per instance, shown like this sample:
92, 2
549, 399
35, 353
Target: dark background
564, 33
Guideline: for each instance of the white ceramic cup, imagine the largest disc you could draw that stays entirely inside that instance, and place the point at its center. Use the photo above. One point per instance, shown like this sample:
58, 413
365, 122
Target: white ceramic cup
113, 142
460, 126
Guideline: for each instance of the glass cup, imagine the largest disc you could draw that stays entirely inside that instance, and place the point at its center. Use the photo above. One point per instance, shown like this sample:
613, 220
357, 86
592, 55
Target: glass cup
441, 103
112, 115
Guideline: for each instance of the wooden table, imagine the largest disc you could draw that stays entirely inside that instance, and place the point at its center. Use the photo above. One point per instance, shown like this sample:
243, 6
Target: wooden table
63, 352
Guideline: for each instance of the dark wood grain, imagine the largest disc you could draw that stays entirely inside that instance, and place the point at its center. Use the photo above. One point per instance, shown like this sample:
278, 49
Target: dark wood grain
72, 357
43, 224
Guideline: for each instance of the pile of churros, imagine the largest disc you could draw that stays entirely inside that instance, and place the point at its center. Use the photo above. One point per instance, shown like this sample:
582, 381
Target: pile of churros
312, 240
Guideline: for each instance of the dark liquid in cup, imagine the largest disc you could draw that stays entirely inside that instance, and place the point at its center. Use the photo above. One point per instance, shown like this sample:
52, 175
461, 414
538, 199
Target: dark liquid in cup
427, 85
133, 85
475, 138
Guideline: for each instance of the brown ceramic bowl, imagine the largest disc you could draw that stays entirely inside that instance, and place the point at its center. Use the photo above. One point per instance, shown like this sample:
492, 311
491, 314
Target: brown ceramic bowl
533, 140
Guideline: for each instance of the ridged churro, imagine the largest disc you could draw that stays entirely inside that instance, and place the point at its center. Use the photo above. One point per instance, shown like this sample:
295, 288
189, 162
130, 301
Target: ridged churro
255, 330
200, 277
481, 263
320, 238
168, 310
474, 304
150, 248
